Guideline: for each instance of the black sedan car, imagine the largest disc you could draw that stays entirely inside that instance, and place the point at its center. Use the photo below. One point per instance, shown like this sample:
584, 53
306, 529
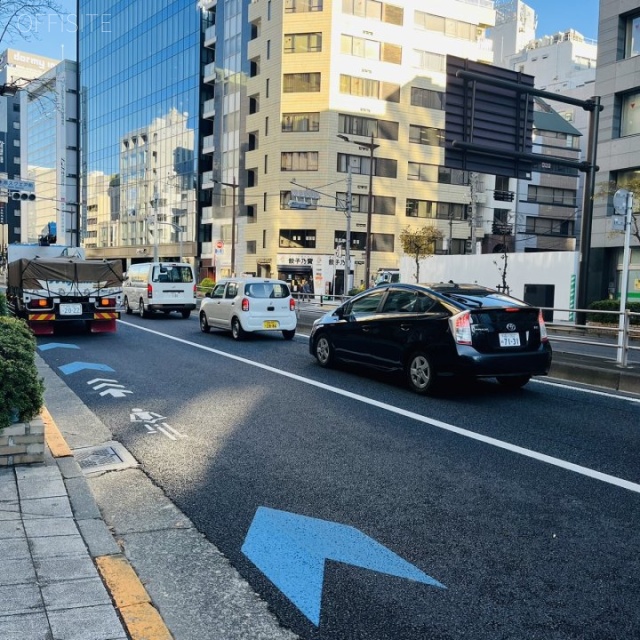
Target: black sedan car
428, 331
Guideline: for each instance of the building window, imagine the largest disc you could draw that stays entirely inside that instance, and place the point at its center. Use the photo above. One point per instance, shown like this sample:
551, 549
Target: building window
299, 161
374, 10
297, 239
426, 135
446, 26
302, 42
368, 88
361, 126
422, 172
427, 98
428, 61
251, 247
382, 167
382, 242
549, 226
300, 122
551, 195
301, 83
440, 210
632, 44
302, 6
381, 205
630, 114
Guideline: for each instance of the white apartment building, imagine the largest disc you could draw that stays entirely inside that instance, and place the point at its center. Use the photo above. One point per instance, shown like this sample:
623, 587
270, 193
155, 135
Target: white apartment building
352, 88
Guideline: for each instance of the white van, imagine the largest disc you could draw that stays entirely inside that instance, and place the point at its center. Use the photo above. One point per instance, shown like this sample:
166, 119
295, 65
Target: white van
159, 286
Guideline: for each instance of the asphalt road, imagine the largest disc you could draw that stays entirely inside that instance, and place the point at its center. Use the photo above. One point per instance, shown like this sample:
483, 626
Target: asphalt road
477, 513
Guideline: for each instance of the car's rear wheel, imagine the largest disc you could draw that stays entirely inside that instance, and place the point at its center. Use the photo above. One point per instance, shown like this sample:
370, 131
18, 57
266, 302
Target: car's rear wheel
127, 309
186, 313
513, 382
324, 351
236, 329
204, 325
144, 313
288, 334
420, 373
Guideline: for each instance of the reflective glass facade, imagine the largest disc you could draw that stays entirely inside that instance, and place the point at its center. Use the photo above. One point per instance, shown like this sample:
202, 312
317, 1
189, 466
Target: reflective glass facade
140, 107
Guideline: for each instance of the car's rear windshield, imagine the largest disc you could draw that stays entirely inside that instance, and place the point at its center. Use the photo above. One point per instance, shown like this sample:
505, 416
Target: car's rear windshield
479, 298
172, 274
266, 290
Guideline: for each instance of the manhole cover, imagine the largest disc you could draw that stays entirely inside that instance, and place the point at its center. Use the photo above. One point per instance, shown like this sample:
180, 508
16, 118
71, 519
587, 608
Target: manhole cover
110, 456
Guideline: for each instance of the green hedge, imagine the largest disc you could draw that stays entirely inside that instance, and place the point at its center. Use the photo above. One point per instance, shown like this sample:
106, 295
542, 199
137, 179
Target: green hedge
21, 389
4, 311
612, 305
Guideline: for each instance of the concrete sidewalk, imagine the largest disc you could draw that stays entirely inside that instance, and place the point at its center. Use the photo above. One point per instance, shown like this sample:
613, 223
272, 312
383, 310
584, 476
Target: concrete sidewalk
62, 575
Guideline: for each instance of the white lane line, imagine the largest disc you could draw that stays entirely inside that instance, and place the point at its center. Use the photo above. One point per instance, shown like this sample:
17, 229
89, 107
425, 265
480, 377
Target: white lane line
593, 392
557, 462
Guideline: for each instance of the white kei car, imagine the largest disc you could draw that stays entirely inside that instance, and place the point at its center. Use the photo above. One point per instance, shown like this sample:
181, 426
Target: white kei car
247, 304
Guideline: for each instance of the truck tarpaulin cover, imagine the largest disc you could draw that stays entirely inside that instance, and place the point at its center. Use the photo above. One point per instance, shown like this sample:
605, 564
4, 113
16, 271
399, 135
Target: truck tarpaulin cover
55, 274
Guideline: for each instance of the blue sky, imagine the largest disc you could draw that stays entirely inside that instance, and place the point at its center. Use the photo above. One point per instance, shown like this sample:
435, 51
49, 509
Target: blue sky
560, 15
52, 34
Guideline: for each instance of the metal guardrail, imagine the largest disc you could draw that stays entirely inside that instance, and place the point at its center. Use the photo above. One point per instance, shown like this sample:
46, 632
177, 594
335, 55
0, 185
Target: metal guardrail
620, 329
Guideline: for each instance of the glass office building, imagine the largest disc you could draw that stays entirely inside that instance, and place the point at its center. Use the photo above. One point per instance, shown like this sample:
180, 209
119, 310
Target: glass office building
140, 127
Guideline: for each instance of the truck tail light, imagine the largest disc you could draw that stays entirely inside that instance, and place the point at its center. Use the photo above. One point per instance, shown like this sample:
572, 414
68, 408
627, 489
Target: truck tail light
149, 291
40, 303
107, 302
245, 304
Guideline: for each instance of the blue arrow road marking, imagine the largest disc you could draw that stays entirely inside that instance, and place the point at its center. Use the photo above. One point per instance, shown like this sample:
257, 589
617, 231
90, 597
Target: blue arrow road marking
74, 367
57, 345
291, 550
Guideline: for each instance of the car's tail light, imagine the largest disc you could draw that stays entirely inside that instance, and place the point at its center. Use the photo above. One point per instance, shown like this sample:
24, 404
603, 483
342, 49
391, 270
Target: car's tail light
40, 303
106, 302
543, 328
195, 291
292, 304
461, 327
245, 304
149, 291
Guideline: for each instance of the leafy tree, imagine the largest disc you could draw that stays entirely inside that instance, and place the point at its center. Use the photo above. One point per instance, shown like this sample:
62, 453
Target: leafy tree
23, 19
419, 243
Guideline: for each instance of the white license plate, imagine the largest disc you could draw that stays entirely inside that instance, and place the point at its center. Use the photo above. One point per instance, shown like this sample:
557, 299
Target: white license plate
270, 324
509, 339
70, 309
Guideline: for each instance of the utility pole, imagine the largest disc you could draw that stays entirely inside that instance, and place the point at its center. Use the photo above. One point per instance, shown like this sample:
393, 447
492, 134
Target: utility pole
156, 226
347, 248
234, 215
473, 184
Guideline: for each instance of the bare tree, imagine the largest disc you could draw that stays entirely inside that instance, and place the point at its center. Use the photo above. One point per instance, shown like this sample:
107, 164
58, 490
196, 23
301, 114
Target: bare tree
419, 243
23, 19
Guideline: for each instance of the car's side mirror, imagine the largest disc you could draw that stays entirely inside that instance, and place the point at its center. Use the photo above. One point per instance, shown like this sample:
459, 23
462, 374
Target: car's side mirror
339, 313
208, 294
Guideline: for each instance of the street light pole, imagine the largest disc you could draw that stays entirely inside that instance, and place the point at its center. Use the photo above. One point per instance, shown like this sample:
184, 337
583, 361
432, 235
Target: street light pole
372, 146
234, 186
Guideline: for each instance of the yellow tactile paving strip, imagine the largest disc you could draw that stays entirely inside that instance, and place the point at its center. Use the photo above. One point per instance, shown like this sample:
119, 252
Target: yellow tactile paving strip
141, 618
56, 443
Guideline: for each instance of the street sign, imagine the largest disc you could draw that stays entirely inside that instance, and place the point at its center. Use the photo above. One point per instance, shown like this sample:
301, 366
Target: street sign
18, 185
